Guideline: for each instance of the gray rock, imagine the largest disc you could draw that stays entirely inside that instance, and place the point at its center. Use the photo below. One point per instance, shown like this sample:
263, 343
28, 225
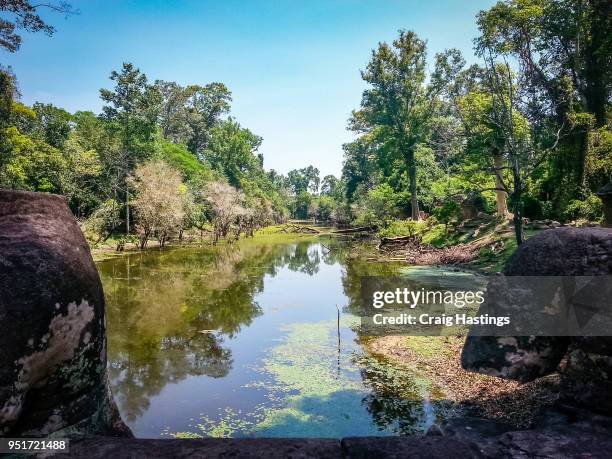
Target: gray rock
520, 358
586, 379
470, 429
551, 444
52, 336
208, 448
430, 447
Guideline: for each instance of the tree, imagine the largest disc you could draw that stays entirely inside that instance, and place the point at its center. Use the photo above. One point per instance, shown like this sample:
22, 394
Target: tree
485, 138
159, 201
34, 165
302, 180
232, 152
330, 186
173, 111
205, 107
379, 206
99, 226
8, 91
448, 212
563, 49
524, 150
132, 110
82, 176
359, 169
300, 205
398, 107
24, 15
53, 124
227, 206
322, 209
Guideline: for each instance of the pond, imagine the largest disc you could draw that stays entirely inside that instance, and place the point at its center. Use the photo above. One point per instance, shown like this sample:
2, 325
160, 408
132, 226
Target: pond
245, 340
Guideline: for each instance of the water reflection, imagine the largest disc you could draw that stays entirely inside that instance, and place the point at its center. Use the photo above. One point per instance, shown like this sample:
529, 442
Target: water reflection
170, 313
193, 331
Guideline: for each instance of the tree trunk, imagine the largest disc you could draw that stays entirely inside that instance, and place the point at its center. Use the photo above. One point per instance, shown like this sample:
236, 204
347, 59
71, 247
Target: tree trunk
517, 196
414, 201
596, 90
500, 196
127, 212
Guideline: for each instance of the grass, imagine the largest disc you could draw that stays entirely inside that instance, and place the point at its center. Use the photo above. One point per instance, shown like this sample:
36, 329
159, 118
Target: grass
429, 346
267, 235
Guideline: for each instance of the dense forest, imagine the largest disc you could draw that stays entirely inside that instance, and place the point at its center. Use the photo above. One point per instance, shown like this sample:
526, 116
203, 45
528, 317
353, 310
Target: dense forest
525, 133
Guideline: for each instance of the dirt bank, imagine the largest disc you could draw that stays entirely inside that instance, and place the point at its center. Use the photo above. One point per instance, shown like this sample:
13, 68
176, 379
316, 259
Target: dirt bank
484, 396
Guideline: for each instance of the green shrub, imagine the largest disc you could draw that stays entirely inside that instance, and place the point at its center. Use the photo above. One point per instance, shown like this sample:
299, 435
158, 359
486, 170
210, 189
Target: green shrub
448, 212
589, 209
437, 236
532, 208
397, 228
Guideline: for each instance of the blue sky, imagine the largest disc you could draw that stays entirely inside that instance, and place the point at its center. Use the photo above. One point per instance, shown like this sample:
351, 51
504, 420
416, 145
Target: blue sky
292, 65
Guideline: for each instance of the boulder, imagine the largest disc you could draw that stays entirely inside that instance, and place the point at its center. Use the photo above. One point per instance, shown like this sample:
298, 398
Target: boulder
469, 209
560, 431
564, 251
586, 378
520, 358
52, 330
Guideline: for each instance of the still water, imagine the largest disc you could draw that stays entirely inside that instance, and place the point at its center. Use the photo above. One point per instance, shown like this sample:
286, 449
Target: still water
243, 340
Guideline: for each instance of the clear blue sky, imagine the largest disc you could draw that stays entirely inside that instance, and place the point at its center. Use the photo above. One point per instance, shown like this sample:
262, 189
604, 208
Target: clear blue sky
292, 65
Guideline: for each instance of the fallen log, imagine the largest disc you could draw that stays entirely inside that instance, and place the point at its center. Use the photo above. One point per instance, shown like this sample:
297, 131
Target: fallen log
359, 229
293, 228
399, 240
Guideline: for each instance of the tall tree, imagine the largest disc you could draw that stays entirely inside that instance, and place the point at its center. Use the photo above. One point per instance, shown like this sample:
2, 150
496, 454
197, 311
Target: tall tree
303, 180
205, 107
173, 111
232, 151
53, 124
399, 105
132, 109
359, 168
330, 186
7, 94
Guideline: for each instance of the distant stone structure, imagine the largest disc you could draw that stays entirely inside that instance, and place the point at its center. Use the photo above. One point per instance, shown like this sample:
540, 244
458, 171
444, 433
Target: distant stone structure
52, 330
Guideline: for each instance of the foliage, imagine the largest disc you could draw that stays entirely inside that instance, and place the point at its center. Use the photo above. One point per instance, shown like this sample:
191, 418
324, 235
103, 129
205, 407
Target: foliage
101, 223
227, 206
527, 131
589, 209
232, 152
398, 228
25, 15
379, 206
448, 212
398, 108
160, 200
185, 162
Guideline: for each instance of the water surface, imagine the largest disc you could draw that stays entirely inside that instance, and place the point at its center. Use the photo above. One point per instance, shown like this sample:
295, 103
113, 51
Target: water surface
244, 340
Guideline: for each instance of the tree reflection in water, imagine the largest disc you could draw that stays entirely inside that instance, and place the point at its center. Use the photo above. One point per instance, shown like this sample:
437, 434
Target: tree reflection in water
172, 315
169, 313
